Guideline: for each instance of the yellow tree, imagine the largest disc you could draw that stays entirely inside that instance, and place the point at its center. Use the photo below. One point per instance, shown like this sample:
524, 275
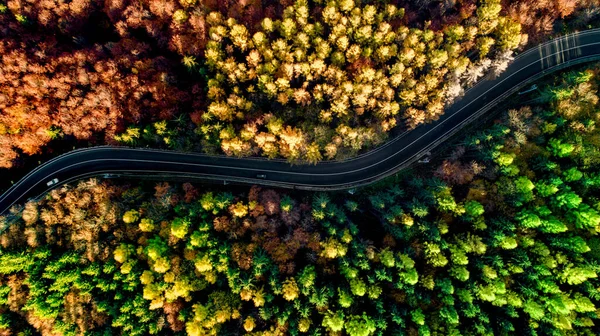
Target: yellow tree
508, 32
267, 142
291, 142
487, 16
290, 289
313, 153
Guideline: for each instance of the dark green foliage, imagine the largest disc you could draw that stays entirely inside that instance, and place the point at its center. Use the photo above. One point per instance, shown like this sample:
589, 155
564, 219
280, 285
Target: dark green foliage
513, 249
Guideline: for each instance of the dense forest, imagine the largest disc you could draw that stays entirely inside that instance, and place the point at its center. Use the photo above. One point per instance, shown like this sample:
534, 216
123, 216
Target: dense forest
304, 80
500, 238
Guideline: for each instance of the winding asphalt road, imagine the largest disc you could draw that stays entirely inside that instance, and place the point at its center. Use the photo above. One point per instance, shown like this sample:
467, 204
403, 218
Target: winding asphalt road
373, 165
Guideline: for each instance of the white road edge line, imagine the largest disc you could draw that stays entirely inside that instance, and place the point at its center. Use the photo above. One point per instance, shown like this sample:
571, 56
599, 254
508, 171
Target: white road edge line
298, 173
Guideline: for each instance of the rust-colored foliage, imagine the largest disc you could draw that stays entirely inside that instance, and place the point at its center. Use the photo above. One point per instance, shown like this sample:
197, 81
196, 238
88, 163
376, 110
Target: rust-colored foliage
242, 254
191, 193
88, 69
269, 199
82, 311
70, 217
172, 309
455, 172
222, 223
282, 234
66, 16
49, 88
537, 17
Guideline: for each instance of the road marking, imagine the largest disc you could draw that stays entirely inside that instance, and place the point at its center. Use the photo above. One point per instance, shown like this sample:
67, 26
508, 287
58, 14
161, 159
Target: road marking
9, 191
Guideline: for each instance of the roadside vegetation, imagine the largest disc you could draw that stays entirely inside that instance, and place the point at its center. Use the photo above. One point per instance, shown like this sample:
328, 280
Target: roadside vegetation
500, 239
303, 80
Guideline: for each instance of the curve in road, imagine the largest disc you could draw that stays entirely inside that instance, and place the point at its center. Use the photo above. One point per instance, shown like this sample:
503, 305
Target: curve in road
371, 166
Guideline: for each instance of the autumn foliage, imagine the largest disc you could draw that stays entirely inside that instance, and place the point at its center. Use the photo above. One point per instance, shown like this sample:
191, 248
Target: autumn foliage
50, 89
503, 235
193, 75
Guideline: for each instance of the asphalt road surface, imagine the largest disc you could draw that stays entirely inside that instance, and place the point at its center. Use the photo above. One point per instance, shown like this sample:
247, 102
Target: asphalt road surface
373, 165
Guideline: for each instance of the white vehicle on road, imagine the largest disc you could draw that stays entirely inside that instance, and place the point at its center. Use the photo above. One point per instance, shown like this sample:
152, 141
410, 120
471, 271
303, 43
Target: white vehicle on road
425, 158
52, 182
